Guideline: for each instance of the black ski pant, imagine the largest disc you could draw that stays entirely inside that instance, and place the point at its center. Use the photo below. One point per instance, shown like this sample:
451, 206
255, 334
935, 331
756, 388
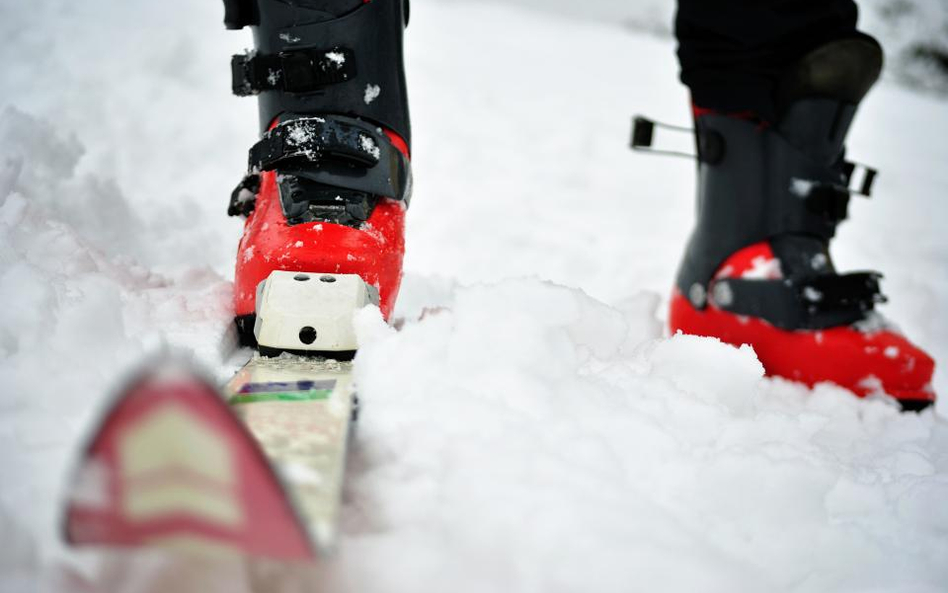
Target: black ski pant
733, 52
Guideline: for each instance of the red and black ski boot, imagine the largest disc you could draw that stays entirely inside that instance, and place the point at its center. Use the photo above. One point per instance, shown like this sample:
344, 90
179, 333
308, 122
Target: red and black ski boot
757, 268
330, 179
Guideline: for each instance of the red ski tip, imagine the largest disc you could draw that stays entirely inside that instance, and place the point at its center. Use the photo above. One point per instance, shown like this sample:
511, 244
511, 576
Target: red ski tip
170, 466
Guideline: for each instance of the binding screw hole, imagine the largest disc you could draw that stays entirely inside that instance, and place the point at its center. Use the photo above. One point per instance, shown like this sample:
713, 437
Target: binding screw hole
307, 335
301, 277
327, 279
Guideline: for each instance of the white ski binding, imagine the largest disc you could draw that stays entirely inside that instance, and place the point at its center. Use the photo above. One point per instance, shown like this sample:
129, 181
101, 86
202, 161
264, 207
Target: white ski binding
307, 312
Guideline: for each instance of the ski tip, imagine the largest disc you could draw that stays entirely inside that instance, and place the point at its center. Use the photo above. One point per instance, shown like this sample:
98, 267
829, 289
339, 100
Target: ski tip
171, 467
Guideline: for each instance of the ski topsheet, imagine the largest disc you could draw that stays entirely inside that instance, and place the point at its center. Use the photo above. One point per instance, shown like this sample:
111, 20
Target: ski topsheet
256, 470
300, 410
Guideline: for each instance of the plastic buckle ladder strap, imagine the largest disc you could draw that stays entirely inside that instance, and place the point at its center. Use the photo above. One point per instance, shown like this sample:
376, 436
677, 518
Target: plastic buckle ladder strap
315, 139
816, 302
298, 71
711, 149
867, 176
830, 201
343, 153
337, 151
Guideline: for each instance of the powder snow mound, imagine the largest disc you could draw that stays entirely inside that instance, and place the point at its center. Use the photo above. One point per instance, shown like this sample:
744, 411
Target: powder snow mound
39, 162
33, 156
78, 312
521, 433
693, 365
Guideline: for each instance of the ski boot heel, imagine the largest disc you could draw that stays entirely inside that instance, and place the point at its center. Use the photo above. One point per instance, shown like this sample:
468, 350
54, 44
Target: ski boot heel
329, 181
757, 268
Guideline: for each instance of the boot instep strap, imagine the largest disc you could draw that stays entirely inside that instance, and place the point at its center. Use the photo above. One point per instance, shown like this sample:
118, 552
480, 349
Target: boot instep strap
298, 71
811, 303
336, 151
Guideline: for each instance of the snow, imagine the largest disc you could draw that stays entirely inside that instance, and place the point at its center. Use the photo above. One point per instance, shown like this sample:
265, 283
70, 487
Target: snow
372, 92
534, 430
336, 57
368, 145
299, 135
765, 268
811, 294
801, 187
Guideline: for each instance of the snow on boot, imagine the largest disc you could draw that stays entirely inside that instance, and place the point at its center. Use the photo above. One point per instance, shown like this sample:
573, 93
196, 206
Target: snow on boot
330, 179
757, 268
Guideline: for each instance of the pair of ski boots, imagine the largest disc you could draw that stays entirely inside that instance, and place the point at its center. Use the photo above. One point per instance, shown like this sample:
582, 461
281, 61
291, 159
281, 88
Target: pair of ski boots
330, 181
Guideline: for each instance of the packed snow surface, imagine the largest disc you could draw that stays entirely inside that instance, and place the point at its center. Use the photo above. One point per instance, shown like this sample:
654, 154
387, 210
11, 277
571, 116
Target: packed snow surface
535, 430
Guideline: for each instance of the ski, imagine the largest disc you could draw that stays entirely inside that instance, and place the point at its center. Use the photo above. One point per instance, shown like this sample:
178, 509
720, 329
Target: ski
255, 468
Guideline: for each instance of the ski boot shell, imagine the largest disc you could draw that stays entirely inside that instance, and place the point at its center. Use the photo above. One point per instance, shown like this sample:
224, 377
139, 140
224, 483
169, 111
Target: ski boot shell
329, 181
757, 269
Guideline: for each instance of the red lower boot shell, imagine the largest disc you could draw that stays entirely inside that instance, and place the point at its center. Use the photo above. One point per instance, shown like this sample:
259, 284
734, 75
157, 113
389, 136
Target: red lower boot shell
374, 251
864, 360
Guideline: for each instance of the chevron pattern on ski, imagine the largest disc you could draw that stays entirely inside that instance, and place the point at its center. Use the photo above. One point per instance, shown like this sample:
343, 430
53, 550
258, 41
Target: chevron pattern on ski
171, 466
